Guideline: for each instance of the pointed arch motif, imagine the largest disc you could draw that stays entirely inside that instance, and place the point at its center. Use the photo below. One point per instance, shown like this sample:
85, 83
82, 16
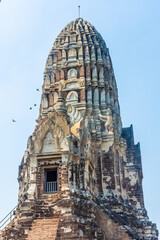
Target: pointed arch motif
72, 96
49, 138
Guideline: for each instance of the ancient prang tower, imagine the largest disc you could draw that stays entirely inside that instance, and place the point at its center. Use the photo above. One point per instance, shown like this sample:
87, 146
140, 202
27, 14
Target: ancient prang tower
81, 175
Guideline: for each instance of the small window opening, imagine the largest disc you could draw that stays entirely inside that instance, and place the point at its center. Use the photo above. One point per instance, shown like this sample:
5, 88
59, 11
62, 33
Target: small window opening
51, 181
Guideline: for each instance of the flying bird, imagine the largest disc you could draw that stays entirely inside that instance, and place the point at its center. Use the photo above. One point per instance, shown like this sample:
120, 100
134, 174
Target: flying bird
30, 108
35, 105
13, 120
37, 89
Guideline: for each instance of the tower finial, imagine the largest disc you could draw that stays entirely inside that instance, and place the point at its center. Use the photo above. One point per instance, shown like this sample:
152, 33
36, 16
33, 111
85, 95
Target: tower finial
79, 11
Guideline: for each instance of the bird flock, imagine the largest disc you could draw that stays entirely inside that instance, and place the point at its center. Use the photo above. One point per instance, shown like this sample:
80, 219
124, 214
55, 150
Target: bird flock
13, 120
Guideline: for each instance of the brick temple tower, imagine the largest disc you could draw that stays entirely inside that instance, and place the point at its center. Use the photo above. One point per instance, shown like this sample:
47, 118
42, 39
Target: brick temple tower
81, 175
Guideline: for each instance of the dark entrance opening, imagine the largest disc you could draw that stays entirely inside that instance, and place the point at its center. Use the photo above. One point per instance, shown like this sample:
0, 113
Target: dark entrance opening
51, 181
51, 175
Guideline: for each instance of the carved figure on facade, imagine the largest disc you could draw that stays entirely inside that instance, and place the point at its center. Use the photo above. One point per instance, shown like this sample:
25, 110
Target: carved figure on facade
72, 73
85, 137
108, 121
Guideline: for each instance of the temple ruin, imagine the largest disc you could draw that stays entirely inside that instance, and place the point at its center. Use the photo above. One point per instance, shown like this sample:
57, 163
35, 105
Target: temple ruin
81, 174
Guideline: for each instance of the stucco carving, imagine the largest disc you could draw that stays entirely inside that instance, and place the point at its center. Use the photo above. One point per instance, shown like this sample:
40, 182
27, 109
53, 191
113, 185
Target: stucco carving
72, 73
48, 144
54, 127
72, 96
108, 121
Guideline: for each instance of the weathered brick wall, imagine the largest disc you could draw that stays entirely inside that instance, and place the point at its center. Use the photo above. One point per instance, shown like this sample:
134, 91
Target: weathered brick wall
43, 229
113, 230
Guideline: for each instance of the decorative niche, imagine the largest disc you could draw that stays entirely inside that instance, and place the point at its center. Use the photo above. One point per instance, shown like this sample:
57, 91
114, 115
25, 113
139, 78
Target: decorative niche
72, 73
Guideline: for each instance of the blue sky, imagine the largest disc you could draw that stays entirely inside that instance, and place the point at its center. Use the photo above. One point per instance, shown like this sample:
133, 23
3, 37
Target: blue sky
132, 33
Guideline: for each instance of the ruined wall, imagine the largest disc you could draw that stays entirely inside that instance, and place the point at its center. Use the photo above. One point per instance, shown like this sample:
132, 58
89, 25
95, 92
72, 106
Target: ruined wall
133, 169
